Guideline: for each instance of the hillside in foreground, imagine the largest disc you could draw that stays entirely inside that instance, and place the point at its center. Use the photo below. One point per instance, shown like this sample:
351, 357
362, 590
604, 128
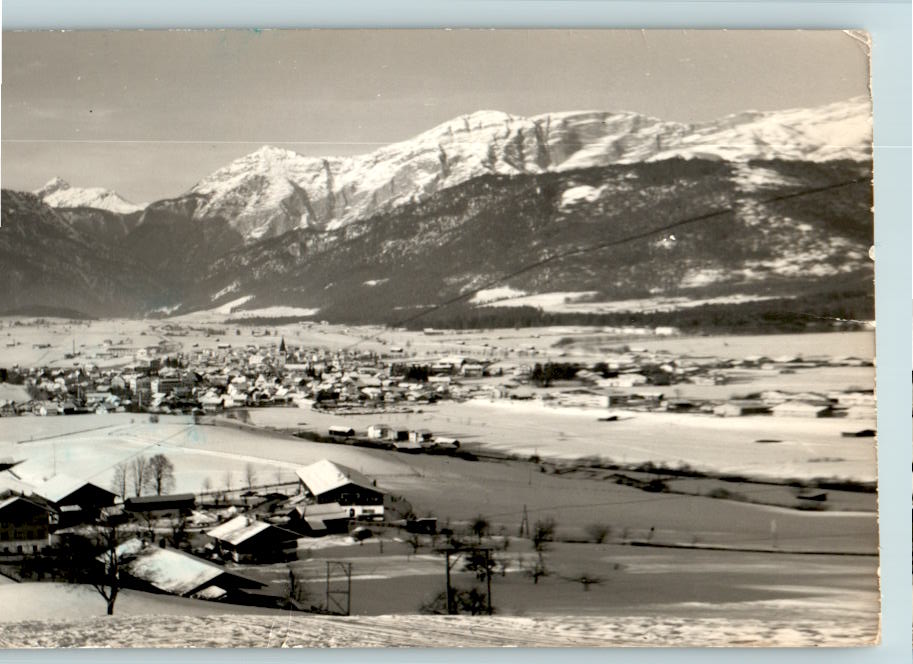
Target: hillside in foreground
295, 631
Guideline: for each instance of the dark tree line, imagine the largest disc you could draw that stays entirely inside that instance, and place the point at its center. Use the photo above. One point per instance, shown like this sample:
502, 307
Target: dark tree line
544, 375
412, 372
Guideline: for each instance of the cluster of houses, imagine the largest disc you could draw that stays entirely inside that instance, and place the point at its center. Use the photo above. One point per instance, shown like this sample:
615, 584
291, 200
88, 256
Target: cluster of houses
635, 379
854, 404
328, 498
159, 380
400, 438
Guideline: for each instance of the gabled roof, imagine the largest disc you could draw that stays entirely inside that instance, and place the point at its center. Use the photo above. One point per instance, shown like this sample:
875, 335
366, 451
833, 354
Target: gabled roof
60, 487
242, 528
170, 570
325, 476
14, 499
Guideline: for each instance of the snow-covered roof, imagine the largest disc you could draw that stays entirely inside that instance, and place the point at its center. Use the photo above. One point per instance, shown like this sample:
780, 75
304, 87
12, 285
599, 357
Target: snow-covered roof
323, 511
325, 475
60, 486
238, 530
9, 482
169, 570
211, 592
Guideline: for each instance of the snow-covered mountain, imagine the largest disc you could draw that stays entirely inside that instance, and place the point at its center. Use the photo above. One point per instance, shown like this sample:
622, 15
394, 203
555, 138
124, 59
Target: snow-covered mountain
59, 194
273, 190
781, 203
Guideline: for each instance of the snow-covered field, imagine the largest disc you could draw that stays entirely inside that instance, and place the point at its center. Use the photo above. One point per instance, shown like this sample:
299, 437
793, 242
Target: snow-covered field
40, 615
13, 392
274, 312
810, 447
297, 631
582, 344
199, 453
581, 302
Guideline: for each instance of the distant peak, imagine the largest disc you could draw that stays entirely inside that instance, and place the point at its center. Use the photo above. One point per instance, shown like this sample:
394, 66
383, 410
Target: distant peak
482, 117
52, 185
272, 152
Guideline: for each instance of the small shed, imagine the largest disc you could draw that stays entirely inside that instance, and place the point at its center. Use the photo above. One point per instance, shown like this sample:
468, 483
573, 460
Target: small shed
379, 431
420, 436
398, 433
321, 519
741, 407
172, 506
800, 409
245, 539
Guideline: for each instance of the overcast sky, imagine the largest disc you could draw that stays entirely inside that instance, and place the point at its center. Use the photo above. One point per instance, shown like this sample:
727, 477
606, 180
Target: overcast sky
150, 113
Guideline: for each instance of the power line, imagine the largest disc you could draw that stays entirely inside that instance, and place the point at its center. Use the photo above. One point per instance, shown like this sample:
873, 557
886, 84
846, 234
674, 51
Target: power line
579, 251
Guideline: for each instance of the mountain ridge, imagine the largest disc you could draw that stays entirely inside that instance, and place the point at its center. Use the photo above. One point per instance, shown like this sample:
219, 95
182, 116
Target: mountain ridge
58, 193
372, 237
273, 190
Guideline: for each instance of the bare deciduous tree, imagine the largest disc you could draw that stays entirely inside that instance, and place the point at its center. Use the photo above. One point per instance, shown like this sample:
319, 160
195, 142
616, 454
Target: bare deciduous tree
249, 475
414, 541
543, 533
139, 474
480, 527
107, 580
161, 473
119, 481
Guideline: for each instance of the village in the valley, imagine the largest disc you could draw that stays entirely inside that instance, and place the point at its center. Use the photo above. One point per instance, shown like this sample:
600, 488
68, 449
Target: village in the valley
313, 467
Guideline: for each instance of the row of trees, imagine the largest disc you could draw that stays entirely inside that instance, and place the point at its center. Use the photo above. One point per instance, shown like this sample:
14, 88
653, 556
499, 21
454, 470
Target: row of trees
813, 311
142, 474
484, 561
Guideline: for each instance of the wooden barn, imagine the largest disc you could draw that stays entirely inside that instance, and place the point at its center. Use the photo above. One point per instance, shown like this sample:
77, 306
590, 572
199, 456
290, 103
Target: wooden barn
77, 501
171, 506
247, 540
155, 569
327, 482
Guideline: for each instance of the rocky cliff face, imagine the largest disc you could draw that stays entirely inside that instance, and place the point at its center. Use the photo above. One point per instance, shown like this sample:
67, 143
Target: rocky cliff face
780, 205
46, 262
272, 191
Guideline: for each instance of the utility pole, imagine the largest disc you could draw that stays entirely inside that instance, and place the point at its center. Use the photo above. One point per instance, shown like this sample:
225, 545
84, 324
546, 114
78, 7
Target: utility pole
332, 595
488, 578
457, 552
450, 610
